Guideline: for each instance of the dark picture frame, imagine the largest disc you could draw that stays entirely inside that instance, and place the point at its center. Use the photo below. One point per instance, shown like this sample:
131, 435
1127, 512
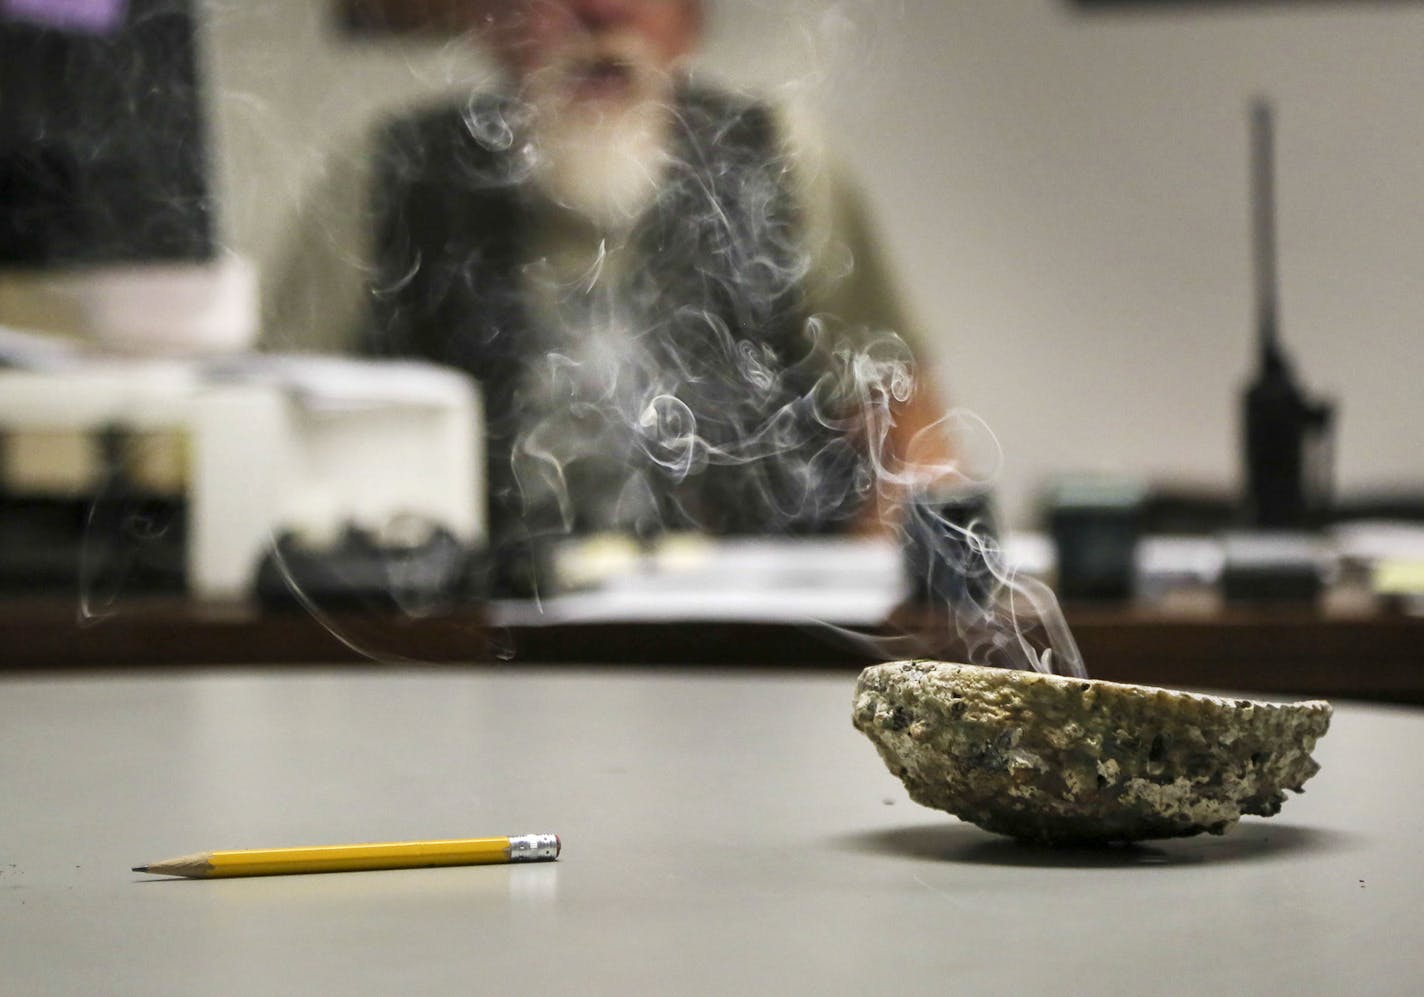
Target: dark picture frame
405, 17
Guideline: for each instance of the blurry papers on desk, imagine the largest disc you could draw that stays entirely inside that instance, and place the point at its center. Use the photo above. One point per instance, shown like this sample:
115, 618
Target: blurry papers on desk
1167, 564
1366, 542
1389, 556
36, 351
341, 384
1171, 565
688, 578
851, 581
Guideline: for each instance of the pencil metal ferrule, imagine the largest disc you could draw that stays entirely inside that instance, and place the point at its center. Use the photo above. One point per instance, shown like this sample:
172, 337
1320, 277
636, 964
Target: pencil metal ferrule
533, 847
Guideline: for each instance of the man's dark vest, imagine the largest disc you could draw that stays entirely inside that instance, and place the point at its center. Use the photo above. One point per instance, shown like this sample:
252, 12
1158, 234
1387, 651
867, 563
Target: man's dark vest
720, 295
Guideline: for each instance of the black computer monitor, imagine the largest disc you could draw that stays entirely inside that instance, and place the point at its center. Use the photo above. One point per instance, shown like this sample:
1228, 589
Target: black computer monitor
103, 150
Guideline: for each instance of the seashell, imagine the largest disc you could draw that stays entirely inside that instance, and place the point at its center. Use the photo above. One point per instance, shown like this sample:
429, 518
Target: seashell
1068, 760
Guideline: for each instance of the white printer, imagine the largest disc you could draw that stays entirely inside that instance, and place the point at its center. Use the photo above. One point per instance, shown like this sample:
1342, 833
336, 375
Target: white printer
257, 446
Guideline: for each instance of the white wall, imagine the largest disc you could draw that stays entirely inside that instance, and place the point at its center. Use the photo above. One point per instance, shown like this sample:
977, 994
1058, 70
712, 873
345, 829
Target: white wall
1065, 197
289, 88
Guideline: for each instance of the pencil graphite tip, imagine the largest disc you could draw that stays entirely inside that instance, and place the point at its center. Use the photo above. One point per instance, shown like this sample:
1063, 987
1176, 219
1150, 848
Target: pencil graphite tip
140, 868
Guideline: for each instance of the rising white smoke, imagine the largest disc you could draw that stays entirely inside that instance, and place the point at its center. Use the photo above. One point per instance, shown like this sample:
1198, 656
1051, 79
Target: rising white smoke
668, 387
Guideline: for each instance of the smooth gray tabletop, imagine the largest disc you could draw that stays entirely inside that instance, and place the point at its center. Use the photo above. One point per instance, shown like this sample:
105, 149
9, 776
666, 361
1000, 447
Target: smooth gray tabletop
723, 833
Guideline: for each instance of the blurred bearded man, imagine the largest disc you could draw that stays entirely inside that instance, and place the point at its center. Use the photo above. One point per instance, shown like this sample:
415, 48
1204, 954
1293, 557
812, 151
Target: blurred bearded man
636, 269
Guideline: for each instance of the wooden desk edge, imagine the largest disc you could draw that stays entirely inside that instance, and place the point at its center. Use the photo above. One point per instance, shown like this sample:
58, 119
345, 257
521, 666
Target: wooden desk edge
1370, 657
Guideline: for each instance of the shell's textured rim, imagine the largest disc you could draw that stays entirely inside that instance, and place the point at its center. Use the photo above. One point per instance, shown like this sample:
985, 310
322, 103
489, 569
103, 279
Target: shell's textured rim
1070, 682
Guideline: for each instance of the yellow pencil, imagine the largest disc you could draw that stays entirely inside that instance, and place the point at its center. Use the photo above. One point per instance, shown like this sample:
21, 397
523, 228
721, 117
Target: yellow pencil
352, 858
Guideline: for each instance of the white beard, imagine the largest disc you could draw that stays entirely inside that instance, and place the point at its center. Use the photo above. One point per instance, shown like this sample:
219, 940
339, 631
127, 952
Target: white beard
603, 160
605, 167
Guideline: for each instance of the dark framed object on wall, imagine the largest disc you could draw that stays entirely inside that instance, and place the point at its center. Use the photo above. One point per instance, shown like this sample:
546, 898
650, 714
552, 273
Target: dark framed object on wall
408, 17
